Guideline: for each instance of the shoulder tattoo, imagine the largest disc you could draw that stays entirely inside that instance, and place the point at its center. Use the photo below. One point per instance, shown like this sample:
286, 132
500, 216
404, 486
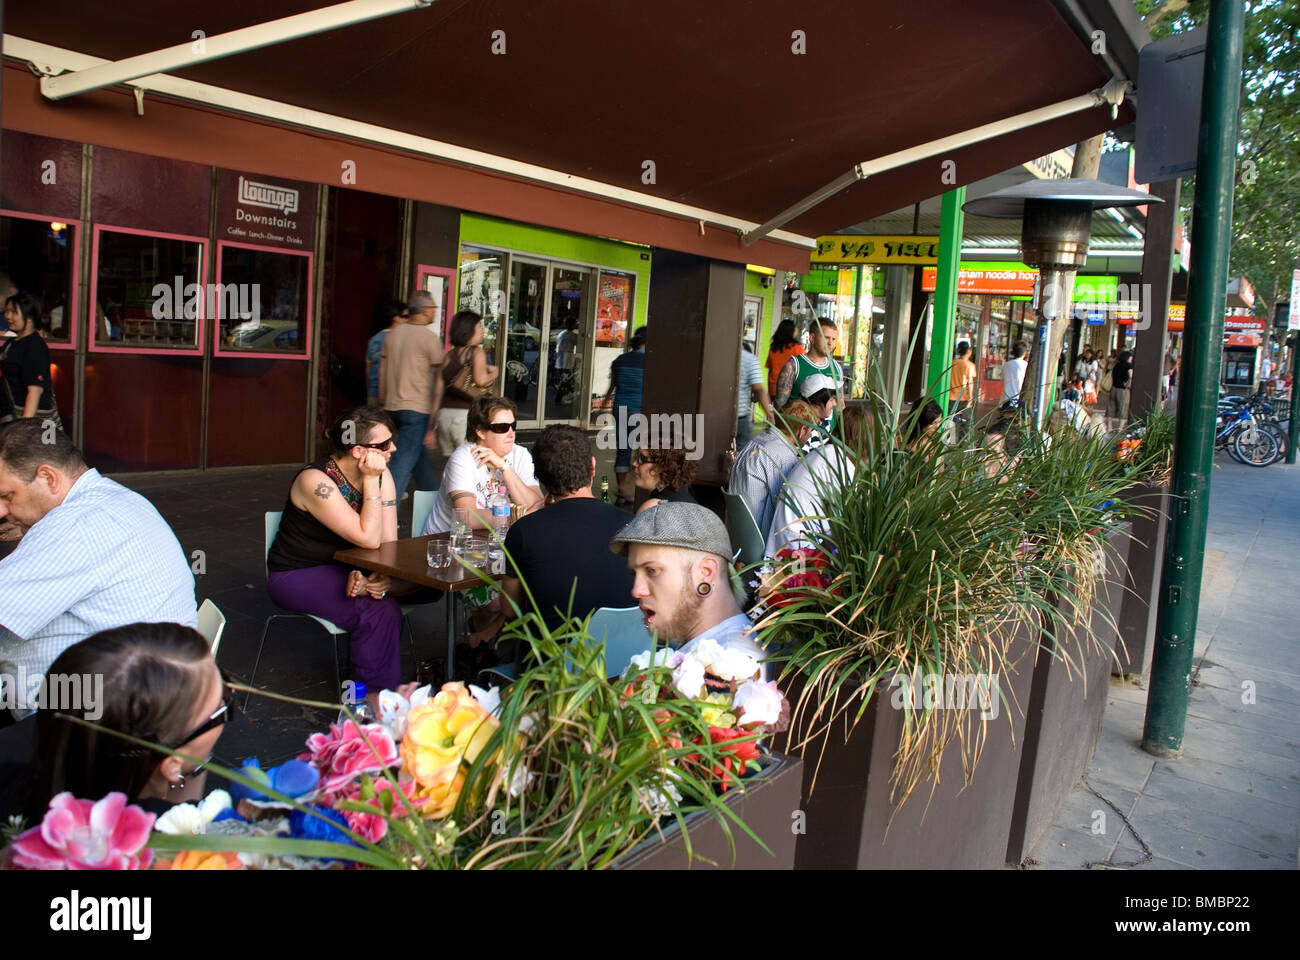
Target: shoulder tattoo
323, 490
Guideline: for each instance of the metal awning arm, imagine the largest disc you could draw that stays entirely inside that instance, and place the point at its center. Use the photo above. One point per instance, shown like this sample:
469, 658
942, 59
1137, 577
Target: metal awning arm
1111, 95
201, 49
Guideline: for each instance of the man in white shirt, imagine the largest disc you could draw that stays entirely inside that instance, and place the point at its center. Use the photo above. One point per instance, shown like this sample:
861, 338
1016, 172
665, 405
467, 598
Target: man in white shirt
762, 466
93, 554
680, 556
1013, 372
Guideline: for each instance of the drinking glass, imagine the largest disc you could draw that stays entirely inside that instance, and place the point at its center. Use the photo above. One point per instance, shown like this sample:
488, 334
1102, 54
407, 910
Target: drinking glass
439, 554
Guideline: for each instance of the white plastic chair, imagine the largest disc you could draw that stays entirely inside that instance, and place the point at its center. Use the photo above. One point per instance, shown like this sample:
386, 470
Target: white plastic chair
212, 623
421, 506
622, 629
336, 632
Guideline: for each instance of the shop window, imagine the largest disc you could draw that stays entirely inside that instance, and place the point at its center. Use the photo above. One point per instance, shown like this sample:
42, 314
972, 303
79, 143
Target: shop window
482, 289
40, 256
147, 291
262, 301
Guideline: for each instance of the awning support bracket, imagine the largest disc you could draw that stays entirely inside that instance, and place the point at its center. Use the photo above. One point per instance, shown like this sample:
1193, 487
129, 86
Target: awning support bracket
1112, 95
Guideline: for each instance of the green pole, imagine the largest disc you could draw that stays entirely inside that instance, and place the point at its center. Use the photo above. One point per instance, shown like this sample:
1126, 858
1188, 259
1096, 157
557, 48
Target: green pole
951, 219
1180, 581
1293, 434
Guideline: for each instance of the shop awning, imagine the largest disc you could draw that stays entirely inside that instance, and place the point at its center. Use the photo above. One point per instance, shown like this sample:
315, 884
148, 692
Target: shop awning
739, 109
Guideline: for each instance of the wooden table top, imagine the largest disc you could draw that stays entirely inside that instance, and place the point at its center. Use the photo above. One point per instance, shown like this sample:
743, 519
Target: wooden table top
408, 560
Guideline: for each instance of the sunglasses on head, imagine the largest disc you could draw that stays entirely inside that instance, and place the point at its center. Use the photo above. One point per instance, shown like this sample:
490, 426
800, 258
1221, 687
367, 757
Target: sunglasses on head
381, 445
503, 427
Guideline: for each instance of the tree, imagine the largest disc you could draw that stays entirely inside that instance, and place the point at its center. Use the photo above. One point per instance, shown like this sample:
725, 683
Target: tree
1266, 206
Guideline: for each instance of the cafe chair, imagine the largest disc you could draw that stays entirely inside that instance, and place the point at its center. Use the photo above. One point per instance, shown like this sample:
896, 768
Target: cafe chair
340, 636
212, 623
623, 632
743, 530
421, 507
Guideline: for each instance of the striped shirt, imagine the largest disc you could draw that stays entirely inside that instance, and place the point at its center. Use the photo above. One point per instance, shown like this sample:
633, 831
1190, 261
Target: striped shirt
103, 558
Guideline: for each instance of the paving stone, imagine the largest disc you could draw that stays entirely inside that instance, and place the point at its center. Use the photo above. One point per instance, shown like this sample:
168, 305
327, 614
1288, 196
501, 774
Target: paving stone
1220, 801
1153, 813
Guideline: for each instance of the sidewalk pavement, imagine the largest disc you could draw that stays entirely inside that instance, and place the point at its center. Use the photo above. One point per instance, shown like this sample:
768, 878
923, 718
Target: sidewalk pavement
1233, 799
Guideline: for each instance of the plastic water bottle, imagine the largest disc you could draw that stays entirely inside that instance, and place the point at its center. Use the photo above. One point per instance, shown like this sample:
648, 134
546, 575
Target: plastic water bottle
354, 695
500, 504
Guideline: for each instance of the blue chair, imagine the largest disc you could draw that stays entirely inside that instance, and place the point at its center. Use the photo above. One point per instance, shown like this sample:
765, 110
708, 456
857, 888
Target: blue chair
622, 632
421, 506
337, 633
746, 537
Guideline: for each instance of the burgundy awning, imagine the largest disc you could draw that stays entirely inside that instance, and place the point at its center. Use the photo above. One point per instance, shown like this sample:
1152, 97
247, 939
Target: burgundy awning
733, 120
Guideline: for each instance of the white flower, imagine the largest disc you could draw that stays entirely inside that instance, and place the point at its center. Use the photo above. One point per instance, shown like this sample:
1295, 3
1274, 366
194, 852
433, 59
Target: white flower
663, 657
186, 819
520, 778
489, 699
733, 664
394, 709
659, 801
688, 678
759, 702
527, 723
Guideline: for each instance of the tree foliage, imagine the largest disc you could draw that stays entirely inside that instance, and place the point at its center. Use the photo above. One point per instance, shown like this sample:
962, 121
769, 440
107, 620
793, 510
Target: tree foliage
1266, 207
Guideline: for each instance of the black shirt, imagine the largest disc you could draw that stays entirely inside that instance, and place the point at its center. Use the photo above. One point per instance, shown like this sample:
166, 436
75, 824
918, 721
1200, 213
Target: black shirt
26, 364
1119, 377
568, 543
302, 540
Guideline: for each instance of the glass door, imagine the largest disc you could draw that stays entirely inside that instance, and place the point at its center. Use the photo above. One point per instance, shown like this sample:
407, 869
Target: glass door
568, 338
524, 349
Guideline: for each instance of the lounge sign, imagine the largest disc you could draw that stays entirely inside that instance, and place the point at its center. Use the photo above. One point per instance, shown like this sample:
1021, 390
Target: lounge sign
265, 211
906, 251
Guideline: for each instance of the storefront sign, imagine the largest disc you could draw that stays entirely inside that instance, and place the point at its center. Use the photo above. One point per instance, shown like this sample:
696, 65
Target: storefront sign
1177, 314
263, 211
1006, 279
1293, 319
611, 310
1254, 326
1242, 340
905, 251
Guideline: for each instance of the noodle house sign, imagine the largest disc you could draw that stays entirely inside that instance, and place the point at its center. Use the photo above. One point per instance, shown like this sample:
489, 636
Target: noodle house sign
266, 211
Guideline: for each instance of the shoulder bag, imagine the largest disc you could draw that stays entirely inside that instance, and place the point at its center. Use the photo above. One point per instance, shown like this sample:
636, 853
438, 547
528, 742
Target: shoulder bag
462, 385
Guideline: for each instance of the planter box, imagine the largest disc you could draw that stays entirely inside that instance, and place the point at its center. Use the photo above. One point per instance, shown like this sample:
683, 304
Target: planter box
766, 805
846, 789
1065, 708
1137, 618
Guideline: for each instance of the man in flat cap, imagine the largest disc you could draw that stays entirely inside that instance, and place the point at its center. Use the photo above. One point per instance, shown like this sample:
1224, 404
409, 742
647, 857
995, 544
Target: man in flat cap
679, 554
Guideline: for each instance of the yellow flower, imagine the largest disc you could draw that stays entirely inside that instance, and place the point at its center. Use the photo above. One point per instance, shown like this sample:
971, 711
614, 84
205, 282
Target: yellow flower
441, 734
202, 860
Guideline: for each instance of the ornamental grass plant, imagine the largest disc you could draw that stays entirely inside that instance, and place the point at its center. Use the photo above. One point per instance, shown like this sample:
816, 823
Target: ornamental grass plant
931, 560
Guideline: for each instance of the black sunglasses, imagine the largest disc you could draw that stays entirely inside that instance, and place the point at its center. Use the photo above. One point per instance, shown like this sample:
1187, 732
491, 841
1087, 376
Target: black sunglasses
219, 716
381, 445
503, 427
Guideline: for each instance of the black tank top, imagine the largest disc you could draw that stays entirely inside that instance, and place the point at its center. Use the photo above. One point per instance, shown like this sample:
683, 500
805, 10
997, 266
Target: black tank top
302, 540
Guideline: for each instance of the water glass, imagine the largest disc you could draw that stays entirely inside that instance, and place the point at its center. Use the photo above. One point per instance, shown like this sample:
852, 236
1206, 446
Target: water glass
438, 554
460, 540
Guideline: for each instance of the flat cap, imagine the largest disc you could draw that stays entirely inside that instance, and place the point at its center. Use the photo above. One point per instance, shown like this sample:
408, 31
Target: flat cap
676, 524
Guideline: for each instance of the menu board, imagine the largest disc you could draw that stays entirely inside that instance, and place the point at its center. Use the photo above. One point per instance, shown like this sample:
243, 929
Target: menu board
612, 303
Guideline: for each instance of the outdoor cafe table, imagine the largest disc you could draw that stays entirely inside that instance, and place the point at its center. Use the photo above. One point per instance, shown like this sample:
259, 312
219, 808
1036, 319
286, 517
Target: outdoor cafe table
408, 560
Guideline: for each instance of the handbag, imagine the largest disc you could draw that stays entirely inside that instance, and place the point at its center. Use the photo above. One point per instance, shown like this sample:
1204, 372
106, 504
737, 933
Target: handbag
462, 385
1106, 381
15, 409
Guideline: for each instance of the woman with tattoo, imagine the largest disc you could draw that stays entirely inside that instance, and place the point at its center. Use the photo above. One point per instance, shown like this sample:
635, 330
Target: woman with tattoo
344, 500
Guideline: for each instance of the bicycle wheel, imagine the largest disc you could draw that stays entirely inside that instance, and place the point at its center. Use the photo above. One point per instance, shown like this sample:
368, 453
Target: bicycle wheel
1273, 427
1257, 447
1230, 443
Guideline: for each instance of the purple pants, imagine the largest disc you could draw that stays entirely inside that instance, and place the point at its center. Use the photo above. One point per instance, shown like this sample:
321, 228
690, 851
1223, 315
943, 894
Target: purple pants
375, 625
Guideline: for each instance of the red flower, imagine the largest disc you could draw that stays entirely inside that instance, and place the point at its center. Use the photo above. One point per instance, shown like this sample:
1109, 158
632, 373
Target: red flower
741, 753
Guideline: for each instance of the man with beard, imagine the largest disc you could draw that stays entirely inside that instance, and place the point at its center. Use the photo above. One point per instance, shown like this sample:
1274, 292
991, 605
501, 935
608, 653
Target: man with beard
679, 555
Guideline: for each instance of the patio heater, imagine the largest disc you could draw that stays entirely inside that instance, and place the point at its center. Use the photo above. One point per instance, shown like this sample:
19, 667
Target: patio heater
1056, 223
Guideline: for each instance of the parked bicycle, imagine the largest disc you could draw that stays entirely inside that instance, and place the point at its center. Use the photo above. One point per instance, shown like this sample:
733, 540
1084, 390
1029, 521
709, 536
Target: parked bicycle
1239, 432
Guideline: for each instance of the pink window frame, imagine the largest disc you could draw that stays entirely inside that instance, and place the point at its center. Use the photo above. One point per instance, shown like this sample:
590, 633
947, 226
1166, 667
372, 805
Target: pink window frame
219, 351
71, 317
95, 347
423, 270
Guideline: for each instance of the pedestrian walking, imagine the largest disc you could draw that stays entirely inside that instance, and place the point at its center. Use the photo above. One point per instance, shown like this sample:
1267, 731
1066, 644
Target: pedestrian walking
410, 388
1117, 405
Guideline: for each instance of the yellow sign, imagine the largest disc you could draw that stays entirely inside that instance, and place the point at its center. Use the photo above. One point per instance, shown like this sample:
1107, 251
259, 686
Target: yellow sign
906, 251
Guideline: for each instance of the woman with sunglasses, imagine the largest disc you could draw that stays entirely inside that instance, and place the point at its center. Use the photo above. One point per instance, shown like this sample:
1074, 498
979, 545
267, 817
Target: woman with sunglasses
346, 499
160, 684
479, 467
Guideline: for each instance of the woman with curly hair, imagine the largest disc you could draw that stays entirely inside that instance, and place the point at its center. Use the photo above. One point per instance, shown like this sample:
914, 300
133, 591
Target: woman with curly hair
665, 472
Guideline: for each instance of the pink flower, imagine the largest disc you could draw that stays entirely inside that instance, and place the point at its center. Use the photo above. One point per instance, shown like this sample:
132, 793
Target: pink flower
343, 755
87, 835
372, 826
